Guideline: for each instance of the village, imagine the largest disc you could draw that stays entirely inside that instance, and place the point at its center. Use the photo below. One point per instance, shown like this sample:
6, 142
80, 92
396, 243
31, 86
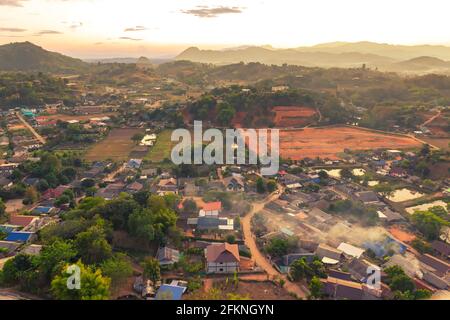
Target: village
312, 230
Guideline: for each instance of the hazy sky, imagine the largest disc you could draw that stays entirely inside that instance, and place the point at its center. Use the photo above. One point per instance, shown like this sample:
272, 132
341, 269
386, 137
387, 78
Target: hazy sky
109, 28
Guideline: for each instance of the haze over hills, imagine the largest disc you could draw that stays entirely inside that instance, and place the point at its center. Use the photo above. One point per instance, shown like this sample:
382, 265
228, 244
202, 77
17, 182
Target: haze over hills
386, 57
25, 56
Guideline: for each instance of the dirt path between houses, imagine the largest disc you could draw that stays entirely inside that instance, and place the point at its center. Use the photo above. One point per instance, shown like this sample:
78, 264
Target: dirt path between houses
259, 257
29, 127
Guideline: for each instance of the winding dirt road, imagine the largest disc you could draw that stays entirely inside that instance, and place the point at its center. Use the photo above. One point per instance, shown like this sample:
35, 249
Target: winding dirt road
258, 257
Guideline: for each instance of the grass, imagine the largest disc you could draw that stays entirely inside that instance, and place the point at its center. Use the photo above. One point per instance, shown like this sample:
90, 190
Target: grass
116, 146
162, 148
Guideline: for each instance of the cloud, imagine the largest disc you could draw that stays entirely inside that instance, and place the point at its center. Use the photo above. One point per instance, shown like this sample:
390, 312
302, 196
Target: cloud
76, 25
136, 28
12, 3
47, 32
129, 38
211, 12
12, 30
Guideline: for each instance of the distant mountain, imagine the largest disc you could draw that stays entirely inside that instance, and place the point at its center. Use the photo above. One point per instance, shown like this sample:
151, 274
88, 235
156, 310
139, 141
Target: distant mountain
336, 54
281, 56
421, 65
397, 52
129, 60
25, 56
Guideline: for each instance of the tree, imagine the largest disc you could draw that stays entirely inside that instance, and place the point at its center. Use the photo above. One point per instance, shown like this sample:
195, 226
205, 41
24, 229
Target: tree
190, 206
300, 269
31, 195
271, 186
118, 268
316, 288
429, 224
421, 246
92, 245
53, 255
323, 175
277, 247
260, 188
2, 208
385, 189
346, 173
93, 285
152, 269
14, 269
137, 137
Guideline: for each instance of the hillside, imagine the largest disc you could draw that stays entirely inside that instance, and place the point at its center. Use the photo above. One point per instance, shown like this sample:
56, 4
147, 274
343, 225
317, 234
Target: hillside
422, 64
337, 54
25, 56
278, 57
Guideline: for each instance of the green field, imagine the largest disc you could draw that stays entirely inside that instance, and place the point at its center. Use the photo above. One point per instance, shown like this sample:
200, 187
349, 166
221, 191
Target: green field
162, 148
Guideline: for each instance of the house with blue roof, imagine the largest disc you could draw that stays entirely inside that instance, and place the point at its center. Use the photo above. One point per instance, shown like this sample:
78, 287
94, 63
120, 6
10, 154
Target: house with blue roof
43, 210
7, 228
170, 292
18, 236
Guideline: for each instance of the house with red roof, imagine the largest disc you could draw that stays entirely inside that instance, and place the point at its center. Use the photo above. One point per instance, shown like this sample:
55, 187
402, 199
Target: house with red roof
222, 258
54, 193
23, 221
211, 209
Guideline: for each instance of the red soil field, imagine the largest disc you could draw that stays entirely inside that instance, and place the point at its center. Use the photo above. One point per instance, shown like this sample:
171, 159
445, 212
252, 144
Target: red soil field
238, 119
328, 142
293, 116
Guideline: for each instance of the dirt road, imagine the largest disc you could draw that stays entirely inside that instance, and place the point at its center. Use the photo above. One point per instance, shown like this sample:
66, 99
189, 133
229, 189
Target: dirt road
259, 257
29, 127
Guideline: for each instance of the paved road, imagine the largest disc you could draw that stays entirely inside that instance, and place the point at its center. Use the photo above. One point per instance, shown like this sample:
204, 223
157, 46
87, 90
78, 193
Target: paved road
26, 124
258, 257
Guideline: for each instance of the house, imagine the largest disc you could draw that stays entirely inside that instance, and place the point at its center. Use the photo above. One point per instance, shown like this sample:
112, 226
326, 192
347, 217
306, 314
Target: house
111, 191
389, 216
134, 187
212, 223
32, 249
40, 210
150, 172
438, 266
367, 197
167, 186
222, 258
441, 248
5, 182
211, 209
329, 255
167, 256
319, 215
435, 280
337, 274
134, 164
398, 172
342, 289
18, 236
350, 250
9, 246
8, 167
234, 183
23, 221
170, 292
54, 193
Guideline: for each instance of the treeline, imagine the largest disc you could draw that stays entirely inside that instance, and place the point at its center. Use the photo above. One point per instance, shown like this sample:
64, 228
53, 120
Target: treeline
32, 89
84, 240
221, 105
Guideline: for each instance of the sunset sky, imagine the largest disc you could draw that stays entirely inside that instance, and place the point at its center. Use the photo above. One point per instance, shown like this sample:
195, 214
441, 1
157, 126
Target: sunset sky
113, 28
